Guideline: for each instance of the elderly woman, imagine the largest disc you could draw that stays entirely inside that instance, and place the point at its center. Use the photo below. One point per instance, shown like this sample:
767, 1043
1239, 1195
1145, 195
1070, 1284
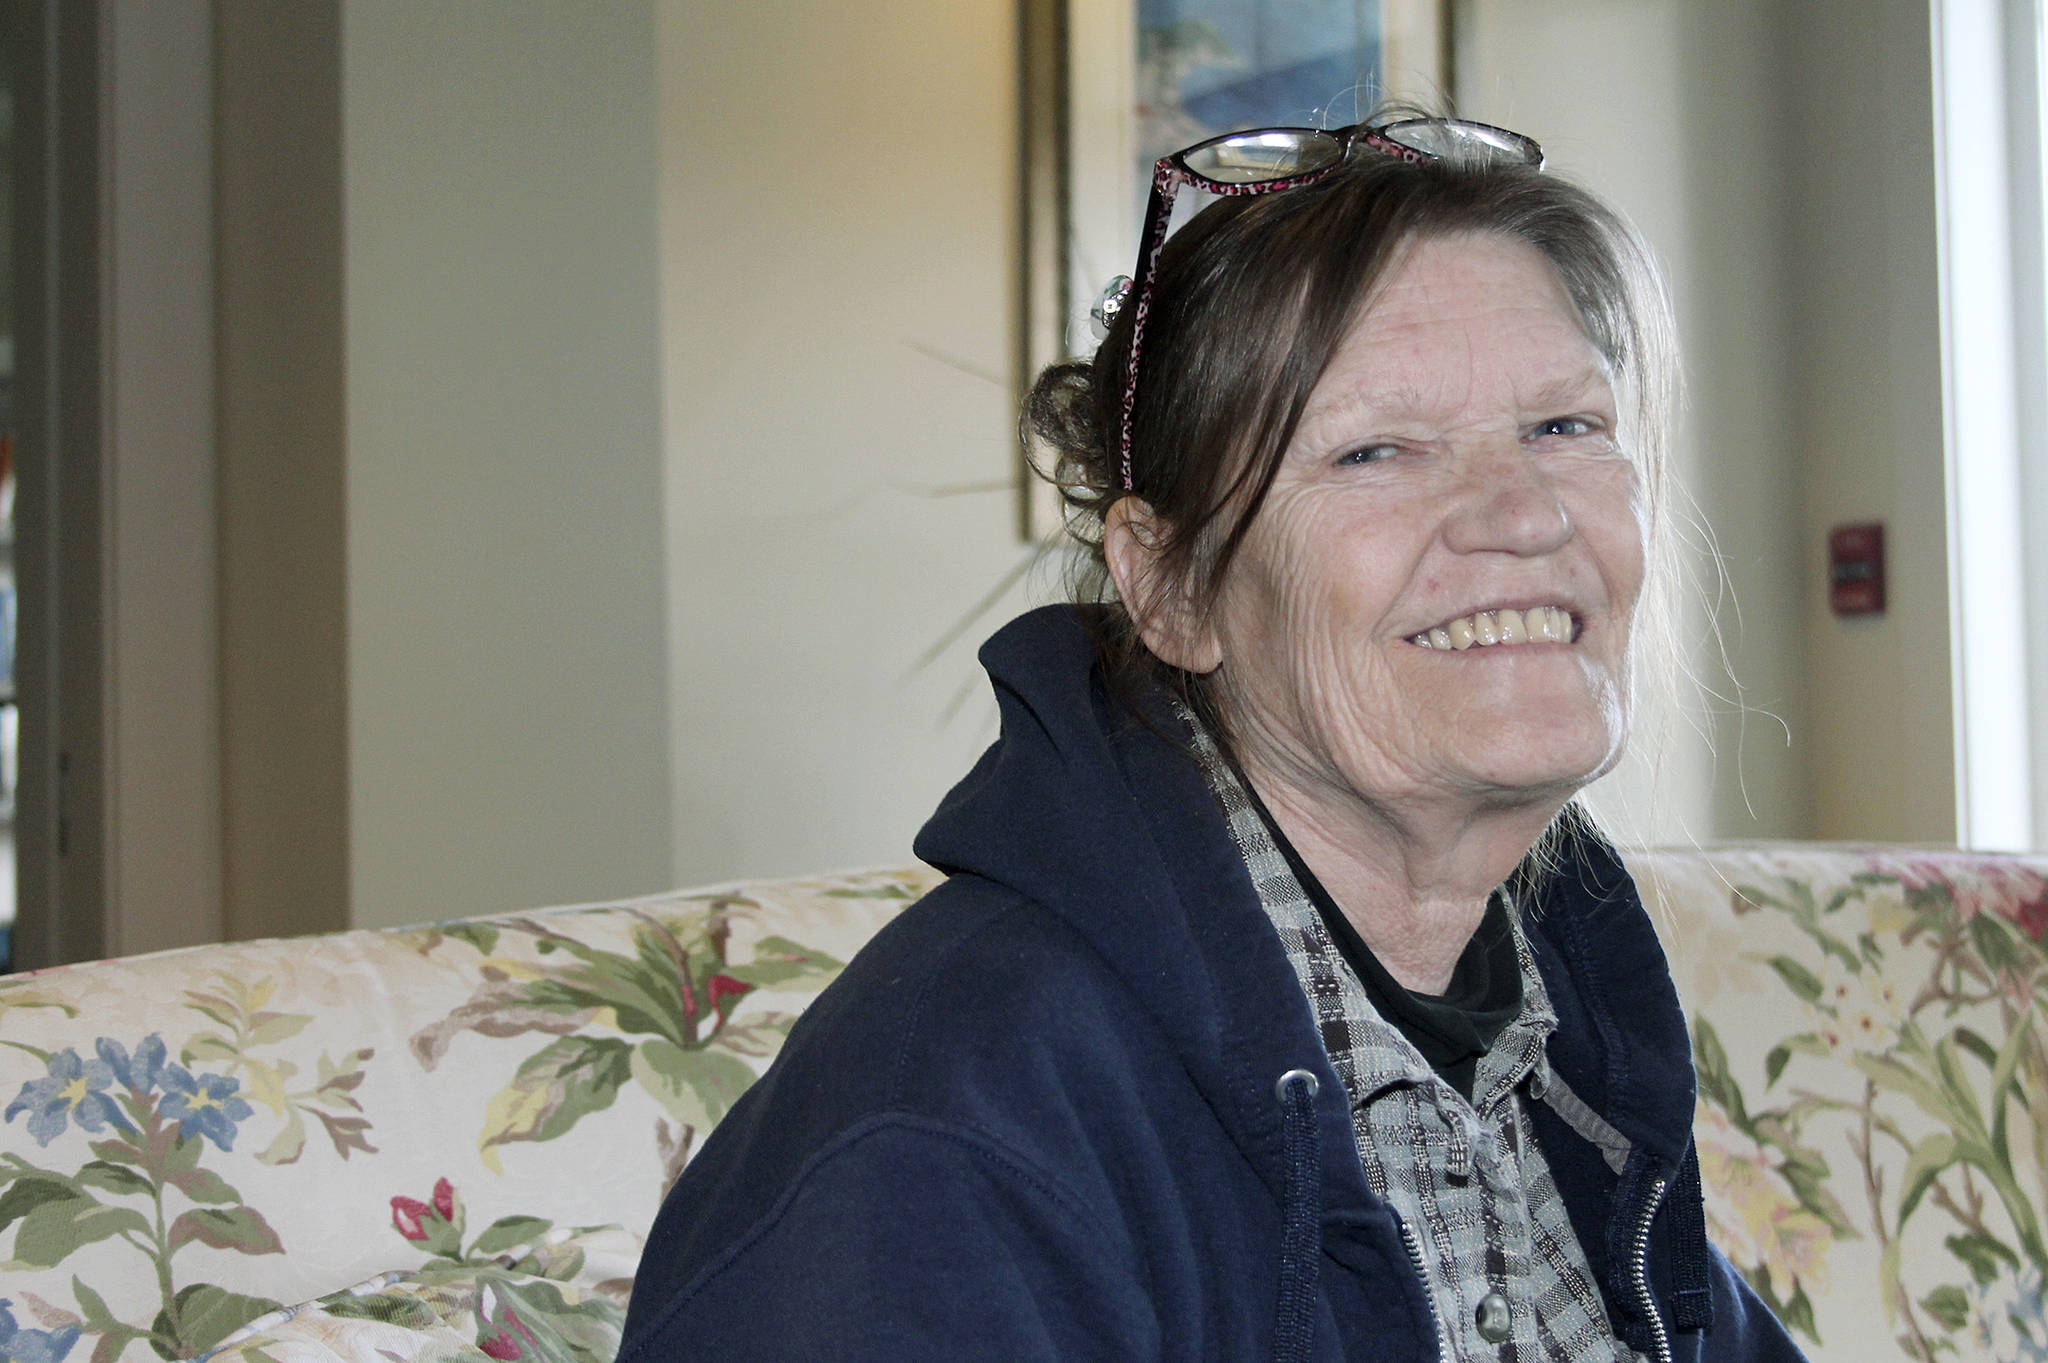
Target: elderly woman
1278, 1005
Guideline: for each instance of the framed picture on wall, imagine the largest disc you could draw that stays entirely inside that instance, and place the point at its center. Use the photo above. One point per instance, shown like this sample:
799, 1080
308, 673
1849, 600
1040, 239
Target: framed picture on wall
1110, 86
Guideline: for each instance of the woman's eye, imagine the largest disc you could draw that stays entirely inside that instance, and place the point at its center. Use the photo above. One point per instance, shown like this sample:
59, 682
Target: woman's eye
1368, 454
1563, 428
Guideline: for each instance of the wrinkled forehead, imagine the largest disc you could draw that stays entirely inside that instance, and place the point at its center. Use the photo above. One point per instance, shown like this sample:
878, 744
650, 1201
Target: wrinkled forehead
1462, 319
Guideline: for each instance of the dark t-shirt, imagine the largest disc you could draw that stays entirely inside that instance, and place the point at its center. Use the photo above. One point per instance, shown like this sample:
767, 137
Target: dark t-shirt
1452, 1029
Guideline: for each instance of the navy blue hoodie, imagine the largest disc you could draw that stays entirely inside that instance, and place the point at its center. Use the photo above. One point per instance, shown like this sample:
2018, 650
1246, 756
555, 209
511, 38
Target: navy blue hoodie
1037, 1117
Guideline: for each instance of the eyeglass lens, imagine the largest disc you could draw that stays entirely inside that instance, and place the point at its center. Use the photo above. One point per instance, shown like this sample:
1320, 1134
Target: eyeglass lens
1253, 158
1452, 139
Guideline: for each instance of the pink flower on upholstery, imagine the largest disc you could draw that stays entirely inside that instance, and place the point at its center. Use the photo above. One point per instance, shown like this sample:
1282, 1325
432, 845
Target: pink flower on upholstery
722, 988
1913, 872
416, 1220
2032, 914
2014, 891
409, 1215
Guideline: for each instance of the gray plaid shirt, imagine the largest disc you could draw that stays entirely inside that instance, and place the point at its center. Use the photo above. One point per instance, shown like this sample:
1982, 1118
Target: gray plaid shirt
1484, 1221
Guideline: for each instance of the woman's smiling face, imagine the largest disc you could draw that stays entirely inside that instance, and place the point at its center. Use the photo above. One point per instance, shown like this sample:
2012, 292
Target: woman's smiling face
1433, 604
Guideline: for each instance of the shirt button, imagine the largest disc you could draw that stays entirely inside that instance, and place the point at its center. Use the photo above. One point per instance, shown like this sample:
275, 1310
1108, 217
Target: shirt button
1495, 1322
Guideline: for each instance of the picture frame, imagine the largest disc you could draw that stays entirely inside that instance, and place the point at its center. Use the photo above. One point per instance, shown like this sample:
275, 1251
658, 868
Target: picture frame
1111, 85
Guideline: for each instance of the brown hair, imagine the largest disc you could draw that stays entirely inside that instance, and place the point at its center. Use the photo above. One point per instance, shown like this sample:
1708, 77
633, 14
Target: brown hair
1252, 301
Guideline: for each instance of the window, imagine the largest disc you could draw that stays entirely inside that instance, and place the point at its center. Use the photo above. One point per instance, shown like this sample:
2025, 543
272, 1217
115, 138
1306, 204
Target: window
1994, 240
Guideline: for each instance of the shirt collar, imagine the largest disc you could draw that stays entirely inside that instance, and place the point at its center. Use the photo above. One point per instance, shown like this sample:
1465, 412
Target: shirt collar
1378, 1057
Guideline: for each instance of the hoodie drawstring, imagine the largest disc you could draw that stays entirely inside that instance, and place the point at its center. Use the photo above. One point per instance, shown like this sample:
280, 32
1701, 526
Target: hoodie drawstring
1301, 1216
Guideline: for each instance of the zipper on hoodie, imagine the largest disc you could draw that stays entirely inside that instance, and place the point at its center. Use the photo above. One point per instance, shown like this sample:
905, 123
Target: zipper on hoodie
1414, 1248
1639, 1272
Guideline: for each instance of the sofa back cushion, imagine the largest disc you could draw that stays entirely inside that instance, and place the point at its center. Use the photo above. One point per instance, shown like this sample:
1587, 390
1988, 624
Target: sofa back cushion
454, 1136
1873, 1074
195, 1139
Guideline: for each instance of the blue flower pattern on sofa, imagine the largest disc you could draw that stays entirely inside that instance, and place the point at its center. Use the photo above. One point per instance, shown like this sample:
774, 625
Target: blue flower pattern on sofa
74, 1090
145, 1187
21, 1345
274, 1151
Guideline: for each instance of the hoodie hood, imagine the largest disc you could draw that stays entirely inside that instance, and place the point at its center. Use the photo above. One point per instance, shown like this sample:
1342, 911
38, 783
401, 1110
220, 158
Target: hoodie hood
1090, 809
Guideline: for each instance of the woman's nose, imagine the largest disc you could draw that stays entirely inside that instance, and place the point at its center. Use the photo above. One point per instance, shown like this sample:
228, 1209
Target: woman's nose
1507, 505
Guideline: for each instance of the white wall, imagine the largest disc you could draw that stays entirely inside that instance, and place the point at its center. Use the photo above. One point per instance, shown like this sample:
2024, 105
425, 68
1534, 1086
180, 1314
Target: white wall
507, 625
838, 320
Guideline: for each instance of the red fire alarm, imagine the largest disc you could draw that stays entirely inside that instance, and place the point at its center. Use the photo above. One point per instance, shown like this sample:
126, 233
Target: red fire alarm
1856, 569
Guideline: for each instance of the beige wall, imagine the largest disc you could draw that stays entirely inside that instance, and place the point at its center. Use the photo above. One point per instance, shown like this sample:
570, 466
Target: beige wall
678, 411
1866, 361
838, 315
792, 406
508, 674
834, 352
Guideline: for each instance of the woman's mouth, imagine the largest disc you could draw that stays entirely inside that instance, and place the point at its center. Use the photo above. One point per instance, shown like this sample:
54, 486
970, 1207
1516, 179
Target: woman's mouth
1488, 629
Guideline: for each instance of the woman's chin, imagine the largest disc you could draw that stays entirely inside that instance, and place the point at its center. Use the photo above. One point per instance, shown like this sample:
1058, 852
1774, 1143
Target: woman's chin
1554, 764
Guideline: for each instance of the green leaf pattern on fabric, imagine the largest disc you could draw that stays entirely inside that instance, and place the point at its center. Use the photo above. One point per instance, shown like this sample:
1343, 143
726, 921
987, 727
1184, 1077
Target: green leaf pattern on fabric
1905, 1112
677, 1002
191, 1141
558, 1297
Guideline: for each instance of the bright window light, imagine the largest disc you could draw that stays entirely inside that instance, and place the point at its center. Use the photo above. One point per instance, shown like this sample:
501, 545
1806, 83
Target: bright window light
1988, 149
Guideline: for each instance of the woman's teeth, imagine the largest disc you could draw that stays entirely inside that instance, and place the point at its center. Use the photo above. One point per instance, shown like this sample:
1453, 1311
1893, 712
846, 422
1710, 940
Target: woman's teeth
1537, 625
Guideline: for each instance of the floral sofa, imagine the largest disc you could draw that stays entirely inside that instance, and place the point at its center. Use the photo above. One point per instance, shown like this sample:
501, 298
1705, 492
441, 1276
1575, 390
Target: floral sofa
447, 1141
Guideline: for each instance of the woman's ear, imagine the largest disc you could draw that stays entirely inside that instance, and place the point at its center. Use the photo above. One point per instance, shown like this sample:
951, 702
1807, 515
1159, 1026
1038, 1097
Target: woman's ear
1132, 539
